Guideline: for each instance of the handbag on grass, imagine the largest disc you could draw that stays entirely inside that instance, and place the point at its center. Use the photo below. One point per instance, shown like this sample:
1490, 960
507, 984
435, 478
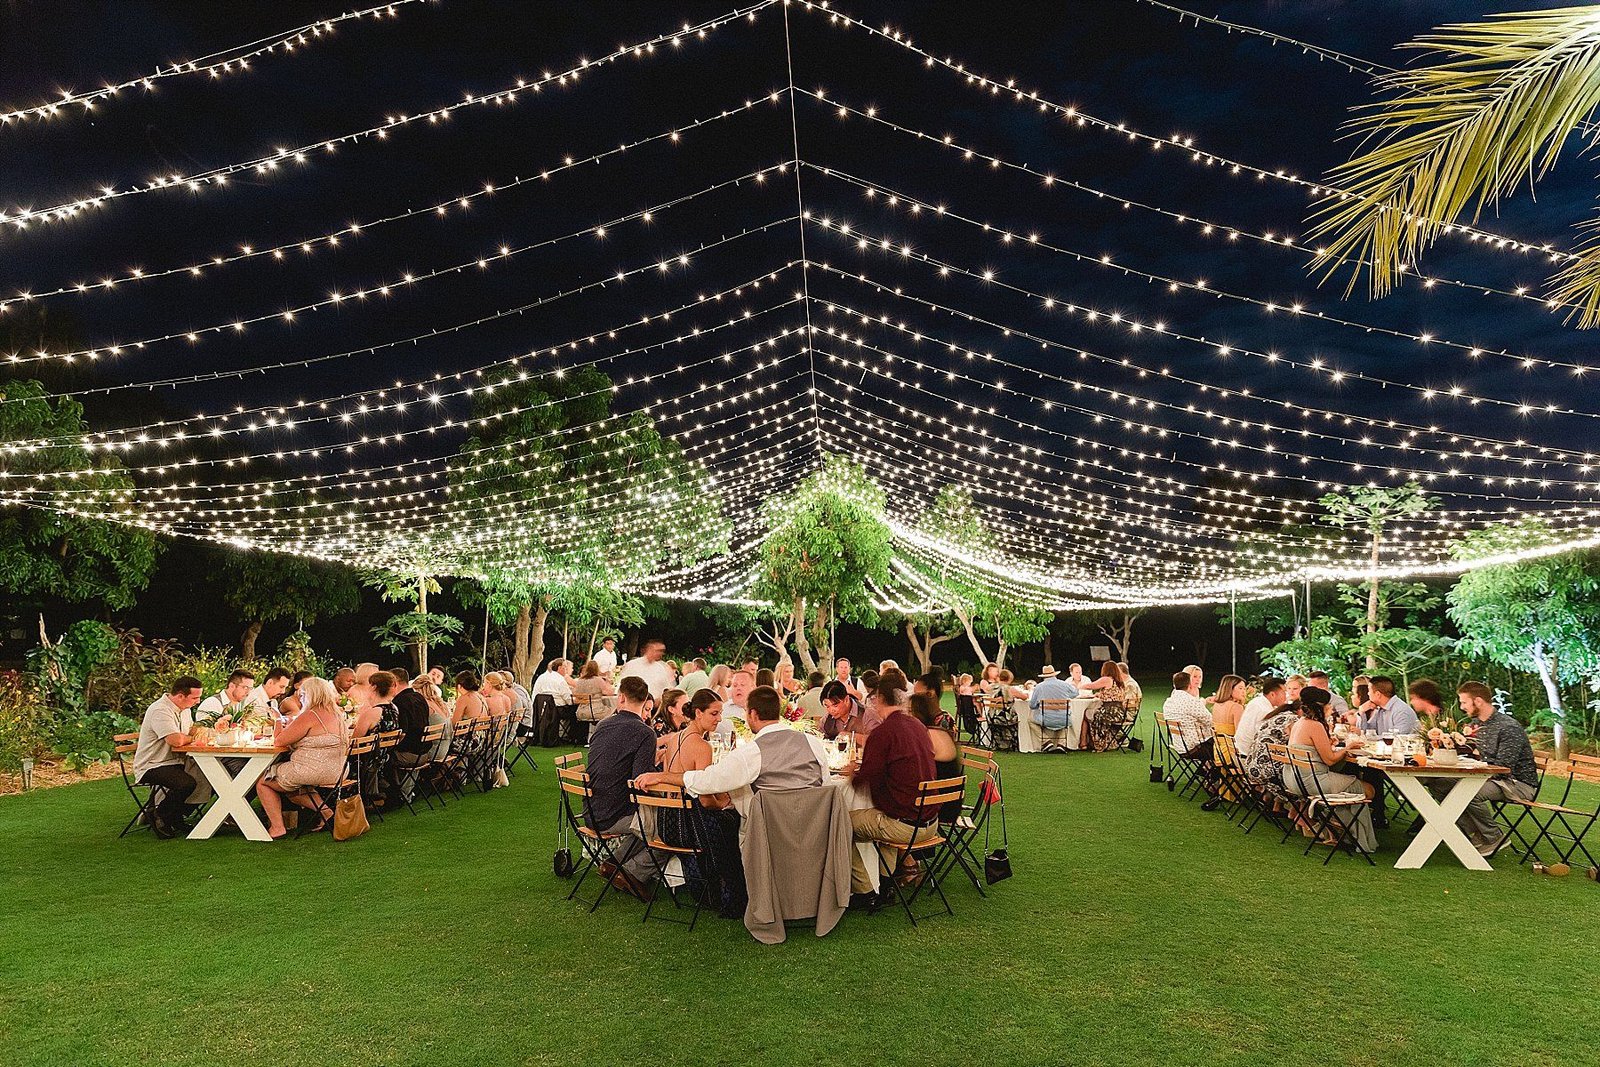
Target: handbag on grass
349, 818
996, 862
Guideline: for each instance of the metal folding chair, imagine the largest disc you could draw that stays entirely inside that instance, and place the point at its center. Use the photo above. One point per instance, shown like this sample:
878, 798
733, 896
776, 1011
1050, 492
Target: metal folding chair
671, 806
928, 840
145, 806
1326, 811
962, 831
595, 846
1575, 823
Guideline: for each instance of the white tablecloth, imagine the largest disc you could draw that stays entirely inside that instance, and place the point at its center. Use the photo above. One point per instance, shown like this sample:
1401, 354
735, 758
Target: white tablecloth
1030, 735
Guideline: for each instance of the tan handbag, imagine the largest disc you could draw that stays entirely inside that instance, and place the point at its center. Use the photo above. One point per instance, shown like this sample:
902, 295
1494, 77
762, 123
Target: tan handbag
349, 819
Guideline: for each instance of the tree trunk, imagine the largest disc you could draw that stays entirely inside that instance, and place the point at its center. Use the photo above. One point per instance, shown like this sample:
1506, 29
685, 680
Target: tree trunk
965, 619
1049, 642
521, 665
247, 640
922, 646
1372, 598
819, 636
541, 615
801, 644
1546, 666
419, 647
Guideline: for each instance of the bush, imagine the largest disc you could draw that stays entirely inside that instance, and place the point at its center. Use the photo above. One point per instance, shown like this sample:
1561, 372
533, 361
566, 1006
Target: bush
24, 720
84, 739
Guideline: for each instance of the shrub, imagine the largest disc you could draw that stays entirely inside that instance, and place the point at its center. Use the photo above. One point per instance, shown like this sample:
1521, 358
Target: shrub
24, 720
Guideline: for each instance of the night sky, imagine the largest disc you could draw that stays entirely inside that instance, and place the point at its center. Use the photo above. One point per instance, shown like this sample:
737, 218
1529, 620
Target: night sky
1241, 98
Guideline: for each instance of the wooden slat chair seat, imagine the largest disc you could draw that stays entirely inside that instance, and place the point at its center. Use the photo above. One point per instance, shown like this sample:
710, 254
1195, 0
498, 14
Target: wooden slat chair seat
663, 802
1054, 739
927, 841
596, 845
1574, 822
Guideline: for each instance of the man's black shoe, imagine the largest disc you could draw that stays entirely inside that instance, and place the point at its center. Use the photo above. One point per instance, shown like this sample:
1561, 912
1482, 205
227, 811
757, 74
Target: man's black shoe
164, 829
1211, 805
867, 902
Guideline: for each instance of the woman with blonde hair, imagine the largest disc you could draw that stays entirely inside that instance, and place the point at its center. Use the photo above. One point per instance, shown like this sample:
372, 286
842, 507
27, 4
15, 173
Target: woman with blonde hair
318, 739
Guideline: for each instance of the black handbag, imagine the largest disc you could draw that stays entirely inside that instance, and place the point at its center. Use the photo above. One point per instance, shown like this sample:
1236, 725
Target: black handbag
1157, 773
562, 861
997, 861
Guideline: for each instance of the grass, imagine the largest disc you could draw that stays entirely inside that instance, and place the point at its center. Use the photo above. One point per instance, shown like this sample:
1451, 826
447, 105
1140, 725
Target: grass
1137, 930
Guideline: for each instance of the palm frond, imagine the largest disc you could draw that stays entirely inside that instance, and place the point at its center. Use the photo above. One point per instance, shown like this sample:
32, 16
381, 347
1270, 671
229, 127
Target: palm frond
1496, 108
1577, 284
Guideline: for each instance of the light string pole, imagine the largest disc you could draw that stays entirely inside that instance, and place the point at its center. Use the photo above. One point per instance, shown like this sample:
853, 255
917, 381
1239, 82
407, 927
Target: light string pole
800, 224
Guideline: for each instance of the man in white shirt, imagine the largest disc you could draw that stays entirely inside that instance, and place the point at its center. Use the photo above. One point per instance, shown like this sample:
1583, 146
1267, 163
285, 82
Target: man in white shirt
651, 667
274, 685
159, 759
841, 671
1319, 680
231, 701
740, 687
1196, 731
1256, 712
555, 682
779, 758
607, 657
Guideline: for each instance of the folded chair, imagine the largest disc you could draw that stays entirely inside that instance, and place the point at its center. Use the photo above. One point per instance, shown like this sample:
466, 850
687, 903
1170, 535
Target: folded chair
145, 806
983, 789
928, 843
1334, 814
521, 747
1574, 822
597, 848
677, 815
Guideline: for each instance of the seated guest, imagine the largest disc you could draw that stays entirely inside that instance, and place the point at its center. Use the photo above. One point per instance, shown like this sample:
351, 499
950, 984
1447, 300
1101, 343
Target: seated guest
318, 739
1051, 687
230, 702
669, 718
1009, 688
893, 766
265, 696
1270, 728
374, 711
841, 672
699, 716
887, 665
1309, 736
810, 702
695, 677
470, 703
365, 671
415, 716
868, 682
1425, 698
780, 758
1135, 694
1261, 708
343, 679
597, 688
1501, 741
1102, 730
964, 685
932, 683
720, 678
1337, 703
765, 677
1227, 707
740, 686
556, 682
436, 676
621, 749
946, 753
788, 685
290, 705
159, 759
1383, 712
1292, 687
1196, 734
842, 712
521, 699
1075, 677
989, 679
496, 695
1360, 693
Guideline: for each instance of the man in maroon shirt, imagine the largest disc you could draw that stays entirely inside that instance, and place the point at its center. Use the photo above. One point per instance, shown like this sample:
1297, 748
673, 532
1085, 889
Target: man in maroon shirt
898, 757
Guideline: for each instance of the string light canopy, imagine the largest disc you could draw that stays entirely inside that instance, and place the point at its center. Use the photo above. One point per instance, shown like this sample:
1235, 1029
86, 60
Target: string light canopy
482, 381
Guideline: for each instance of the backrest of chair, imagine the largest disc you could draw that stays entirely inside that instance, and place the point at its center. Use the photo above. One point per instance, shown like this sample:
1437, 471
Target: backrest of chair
1279, 753
126, 744
1223, 751
1056, 705
390, 738
573, 780
936, 792
434, 733
1225, 729
364, 746
572, 760
665, 797
1584, 768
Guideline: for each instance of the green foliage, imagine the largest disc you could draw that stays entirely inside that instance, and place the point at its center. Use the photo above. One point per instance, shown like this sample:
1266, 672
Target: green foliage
401, 632
1415, 602
296, 654
265, 586
85, 739
63, 668
1539, 614
25, 720
50, 554
1322, 650
1407, 652
826, 541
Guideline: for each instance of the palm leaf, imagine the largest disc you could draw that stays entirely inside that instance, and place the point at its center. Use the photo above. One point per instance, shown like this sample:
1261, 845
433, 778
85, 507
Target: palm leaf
1460, 134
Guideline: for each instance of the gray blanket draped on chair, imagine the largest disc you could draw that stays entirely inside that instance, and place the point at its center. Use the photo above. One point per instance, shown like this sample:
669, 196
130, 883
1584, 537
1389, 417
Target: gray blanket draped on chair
796, 852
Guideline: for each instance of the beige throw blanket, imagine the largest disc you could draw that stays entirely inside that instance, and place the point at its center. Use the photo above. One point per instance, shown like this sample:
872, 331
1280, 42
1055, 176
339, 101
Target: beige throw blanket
796, 854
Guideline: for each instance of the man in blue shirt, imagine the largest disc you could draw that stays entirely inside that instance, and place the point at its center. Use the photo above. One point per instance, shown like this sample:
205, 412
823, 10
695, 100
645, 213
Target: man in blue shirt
1384, 713
1051, 687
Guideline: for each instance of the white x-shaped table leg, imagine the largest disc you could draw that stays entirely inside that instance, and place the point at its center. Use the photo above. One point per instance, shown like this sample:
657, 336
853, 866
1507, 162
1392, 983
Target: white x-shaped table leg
233, 795
1439, 820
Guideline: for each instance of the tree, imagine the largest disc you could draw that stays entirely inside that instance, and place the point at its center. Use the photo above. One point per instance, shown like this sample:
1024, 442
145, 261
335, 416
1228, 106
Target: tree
1407, 651
54, 540
264, 586
1371, 509
583, 496
1540, 615
826, 541
1499, 105
952, 526
1117, 626
419, 629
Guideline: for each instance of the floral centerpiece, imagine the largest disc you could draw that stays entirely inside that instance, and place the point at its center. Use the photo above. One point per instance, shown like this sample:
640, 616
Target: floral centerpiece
1446, 740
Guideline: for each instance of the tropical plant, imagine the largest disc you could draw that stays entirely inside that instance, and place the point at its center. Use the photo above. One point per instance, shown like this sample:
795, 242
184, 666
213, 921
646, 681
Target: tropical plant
1323, 649
1371, 509
25, 720
826, 542
417, 630
1498, 105
1538, 614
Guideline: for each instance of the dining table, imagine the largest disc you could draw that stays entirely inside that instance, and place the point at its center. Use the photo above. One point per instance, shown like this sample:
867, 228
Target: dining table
232, 787
1030, 735
1438, 815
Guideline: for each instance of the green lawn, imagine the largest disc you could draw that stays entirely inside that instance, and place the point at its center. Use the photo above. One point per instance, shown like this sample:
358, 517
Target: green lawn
1137, 930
